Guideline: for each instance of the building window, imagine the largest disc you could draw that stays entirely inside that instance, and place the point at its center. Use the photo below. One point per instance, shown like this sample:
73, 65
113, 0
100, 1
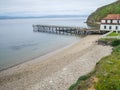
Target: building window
116, 27
104, 27
110, 27
110, 21
105, 21
117, 21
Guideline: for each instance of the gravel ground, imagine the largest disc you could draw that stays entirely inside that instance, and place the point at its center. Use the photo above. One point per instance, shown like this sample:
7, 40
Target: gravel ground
68, 75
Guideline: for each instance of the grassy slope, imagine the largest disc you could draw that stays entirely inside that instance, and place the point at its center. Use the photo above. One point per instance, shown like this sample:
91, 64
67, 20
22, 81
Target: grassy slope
102, 12
106, 75
114, 34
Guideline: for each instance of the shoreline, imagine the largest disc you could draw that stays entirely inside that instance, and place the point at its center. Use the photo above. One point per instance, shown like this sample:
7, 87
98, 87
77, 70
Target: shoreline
56, 70
44, 56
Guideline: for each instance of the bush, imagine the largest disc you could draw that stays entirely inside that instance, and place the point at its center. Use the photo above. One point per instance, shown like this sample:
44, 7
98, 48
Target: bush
116, 42
117, 49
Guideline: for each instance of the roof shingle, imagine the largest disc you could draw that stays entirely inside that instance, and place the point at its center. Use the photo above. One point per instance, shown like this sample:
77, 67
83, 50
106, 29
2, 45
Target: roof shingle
112, 17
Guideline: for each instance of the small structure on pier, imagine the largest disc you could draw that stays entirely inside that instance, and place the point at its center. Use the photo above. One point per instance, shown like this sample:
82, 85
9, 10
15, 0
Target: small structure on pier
63, 29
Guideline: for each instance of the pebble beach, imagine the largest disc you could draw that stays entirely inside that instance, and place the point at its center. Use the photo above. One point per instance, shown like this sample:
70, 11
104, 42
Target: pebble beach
57, 70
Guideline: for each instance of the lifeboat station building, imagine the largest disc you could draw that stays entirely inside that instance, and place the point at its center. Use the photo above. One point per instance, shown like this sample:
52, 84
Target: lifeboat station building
110, 23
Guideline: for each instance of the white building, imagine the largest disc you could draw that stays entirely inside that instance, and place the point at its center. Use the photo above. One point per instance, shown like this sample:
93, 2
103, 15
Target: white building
111, 23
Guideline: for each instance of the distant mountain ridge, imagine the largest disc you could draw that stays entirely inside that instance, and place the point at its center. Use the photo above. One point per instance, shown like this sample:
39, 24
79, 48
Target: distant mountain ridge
47, 16
102, 12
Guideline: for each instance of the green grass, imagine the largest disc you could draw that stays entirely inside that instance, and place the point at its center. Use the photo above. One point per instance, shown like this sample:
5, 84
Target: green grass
80, 80
107, 71
114, 34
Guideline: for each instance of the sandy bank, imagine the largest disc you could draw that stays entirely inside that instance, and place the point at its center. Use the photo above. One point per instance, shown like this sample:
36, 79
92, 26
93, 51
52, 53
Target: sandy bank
56, 71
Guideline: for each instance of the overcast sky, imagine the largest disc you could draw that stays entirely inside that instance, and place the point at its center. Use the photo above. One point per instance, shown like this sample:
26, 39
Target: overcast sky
50, 7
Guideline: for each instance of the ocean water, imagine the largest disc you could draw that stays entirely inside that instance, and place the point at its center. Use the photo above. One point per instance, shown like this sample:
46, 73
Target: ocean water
18, 42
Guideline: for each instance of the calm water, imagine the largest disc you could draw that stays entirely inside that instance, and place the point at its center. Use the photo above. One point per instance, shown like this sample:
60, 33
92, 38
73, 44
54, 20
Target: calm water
18, 42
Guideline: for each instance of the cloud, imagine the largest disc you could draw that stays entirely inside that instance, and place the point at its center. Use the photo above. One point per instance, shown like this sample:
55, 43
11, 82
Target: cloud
50, 7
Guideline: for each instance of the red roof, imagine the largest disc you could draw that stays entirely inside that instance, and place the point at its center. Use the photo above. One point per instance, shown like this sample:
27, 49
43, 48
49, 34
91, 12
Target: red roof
112, 17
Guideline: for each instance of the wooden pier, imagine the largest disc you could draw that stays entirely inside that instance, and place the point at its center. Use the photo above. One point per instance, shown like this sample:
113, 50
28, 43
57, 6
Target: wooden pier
63, 29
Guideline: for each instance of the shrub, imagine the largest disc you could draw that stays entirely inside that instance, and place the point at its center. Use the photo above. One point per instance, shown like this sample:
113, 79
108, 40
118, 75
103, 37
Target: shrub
116, 42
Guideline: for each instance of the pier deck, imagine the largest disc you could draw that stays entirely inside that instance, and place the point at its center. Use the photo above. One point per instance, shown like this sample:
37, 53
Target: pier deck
64, 29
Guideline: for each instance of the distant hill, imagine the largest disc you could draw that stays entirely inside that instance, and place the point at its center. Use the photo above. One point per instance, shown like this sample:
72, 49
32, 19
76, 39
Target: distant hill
102, 12
48, 16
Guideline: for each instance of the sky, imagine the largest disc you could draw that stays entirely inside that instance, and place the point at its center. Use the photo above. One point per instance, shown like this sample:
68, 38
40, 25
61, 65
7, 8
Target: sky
50, 7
